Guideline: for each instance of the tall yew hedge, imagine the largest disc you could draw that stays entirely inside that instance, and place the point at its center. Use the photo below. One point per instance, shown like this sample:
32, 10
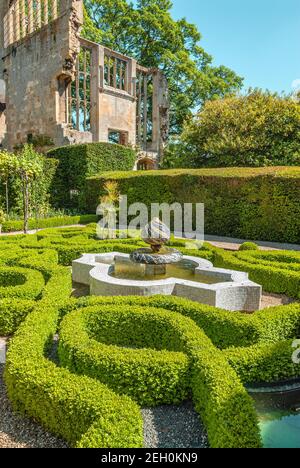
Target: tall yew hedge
261, 203
77, 162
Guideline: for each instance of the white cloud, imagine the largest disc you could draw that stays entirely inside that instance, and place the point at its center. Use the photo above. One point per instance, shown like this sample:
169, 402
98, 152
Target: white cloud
296, 84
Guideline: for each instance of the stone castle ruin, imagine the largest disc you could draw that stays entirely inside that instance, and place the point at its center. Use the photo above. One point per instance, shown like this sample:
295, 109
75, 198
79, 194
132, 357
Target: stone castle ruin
57, 86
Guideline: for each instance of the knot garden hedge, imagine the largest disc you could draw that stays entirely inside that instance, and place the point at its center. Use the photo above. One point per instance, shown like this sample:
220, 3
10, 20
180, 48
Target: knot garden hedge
117, 354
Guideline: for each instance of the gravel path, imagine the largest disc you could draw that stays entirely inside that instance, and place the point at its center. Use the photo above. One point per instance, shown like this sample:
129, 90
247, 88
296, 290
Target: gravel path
173, 427
272, 300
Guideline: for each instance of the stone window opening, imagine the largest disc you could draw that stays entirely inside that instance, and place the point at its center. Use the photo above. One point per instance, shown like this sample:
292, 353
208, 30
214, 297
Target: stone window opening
118, 137
144, 96
63, 84
115, 72
24, 17
79, 93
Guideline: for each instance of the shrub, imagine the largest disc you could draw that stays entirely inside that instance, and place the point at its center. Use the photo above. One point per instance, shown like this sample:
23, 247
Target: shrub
264, 362
150, 349
2, 218
249, 246
77, 162
40, 223
12, 313
135, 352
20, 283
218, 395
287, 260
83, 411
242, 203
273, 276
258, 129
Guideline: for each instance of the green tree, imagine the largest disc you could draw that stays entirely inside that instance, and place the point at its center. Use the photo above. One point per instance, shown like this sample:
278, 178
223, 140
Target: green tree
6, 169
29, 174
258, 129
28, 167
147, 32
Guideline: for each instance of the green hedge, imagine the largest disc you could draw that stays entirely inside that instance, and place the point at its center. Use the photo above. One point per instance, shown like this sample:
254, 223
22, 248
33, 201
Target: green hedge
135, 352
273, 274
11, 226
248, 246
264, 362
257, 204
166, 347
77, 162
12, 314
91, 341
20, 283
83, 411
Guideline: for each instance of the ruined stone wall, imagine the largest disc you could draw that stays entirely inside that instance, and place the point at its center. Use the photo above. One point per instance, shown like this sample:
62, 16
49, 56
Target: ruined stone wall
2, 112
117, 108
117, 114
31, 69
39, 62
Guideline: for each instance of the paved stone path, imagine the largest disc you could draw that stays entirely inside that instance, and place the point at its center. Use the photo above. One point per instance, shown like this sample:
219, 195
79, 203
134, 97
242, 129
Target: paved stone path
34, 231
229, 243
226, 243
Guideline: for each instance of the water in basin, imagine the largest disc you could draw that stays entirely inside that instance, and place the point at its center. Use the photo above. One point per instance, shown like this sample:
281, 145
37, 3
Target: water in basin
279, 419
185, 269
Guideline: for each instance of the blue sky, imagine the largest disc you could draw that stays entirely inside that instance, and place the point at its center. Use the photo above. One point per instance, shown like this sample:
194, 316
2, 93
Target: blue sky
258, 39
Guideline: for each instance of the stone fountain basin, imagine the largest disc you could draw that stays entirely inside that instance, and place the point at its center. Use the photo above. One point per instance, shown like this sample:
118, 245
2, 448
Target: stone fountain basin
233, 290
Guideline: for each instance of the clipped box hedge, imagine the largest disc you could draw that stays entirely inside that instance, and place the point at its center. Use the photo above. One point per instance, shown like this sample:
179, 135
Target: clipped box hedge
274, 275
76, 162
166, 347
257, 204
223, 403
152, 369
86, 413
12, 314
42, 223
263, 362
22, 283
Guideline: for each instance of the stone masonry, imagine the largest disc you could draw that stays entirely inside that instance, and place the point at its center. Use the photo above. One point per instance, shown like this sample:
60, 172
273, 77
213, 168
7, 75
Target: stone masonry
59, 86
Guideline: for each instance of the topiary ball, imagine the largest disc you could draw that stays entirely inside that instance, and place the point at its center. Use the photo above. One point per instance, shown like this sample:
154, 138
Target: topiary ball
249, 246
